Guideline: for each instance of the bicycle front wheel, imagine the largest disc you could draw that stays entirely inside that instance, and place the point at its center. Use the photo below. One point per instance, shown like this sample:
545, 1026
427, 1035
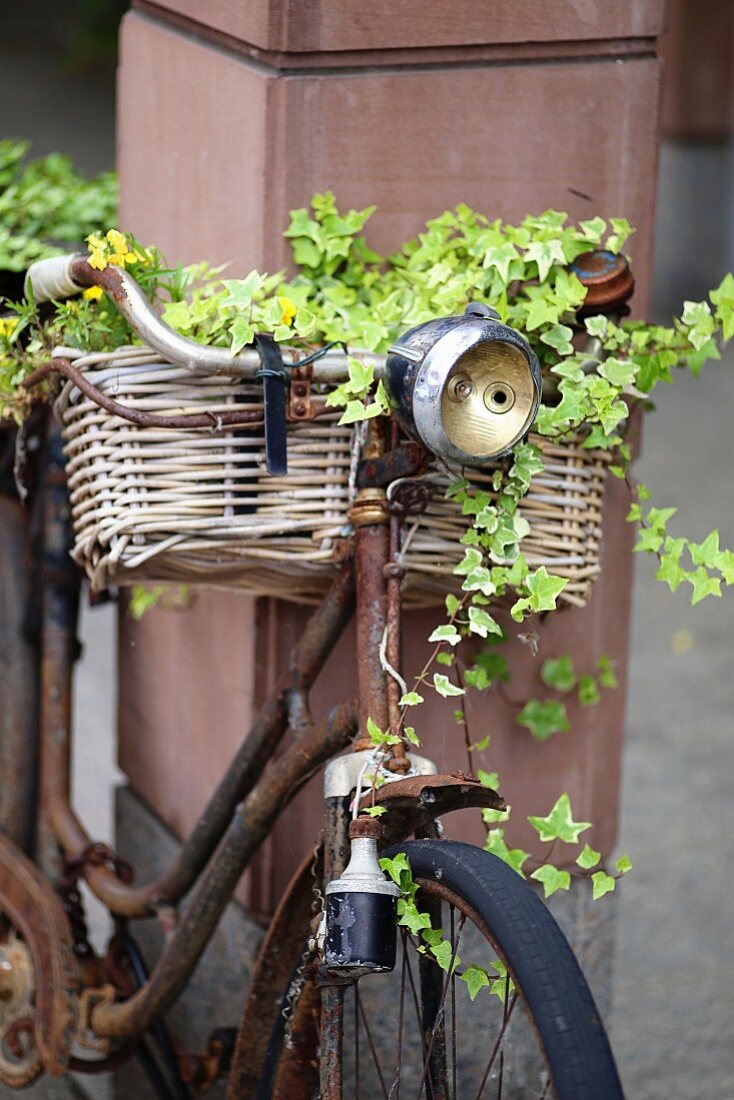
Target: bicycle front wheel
534, 1031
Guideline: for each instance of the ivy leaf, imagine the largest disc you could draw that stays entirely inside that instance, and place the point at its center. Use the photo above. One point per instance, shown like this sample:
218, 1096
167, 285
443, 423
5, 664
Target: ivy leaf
354, 411
396, 866
603, 884
476, 978
670, 572
444, 686
701, 325
723, 299
481, 623
703, 585
559, 824
378, 736
452, 604
545, 254
552, 878
544, 589
446, 633
617, 371
589, 693
648, 541
375, 811
558, 673
487, 779
513, 857
502, 985
410, 916
410, 699
607, 676
588, 858
543, 719
444, 955
242, 291
623, 865
706, 552
242, 333
480, 580
559, 337
412, 736
472, 560
725, 564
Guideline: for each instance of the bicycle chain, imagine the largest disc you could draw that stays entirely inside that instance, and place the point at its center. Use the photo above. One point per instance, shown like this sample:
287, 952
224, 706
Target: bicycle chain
299, 978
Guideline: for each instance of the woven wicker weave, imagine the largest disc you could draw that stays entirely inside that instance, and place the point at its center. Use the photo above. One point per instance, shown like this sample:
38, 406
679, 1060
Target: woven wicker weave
196, 505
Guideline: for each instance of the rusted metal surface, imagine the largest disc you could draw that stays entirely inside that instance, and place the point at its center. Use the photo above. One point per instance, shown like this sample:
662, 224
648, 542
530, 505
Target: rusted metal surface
137, 416
273, 969
608, 280
411, 498
18, 683
298, 1070
59, 606
401, 461
285, 705
433, 1020
370, 517
415, 802
330, 1041
30, 904
252, 822
393, 574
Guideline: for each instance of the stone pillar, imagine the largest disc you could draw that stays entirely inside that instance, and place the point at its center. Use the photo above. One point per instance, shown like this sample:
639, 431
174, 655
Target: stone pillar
230, 115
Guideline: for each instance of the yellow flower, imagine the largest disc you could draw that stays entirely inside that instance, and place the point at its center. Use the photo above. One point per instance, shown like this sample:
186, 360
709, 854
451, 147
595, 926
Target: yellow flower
289, 310
93, 293
97, 252
118, 242
7, 324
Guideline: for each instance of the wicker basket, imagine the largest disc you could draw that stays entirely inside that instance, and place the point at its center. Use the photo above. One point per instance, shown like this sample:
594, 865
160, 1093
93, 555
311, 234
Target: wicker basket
188, 505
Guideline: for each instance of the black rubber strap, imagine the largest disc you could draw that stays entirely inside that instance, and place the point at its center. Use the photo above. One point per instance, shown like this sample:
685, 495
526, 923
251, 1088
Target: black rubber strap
274, 379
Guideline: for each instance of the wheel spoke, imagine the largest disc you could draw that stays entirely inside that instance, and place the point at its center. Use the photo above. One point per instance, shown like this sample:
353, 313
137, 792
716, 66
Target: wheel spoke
370, 1043
439, 1014
498, 1043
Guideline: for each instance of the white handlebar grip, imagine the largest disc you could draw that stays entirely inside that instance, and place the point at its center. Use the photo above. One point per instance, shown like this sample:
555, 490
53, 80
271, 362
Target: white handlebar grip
50, 279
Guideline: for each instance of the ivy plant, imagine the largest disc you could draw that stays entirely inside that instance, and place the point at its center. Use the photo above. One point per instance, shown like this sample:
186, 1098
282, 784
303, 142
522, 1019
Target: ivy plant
595, 372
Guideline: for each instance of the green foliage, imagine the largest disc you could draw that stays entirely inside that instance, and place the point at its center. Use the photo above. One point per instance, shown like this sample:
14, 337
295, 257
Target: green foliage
46, 206
552, 878
432, 941
544, 718
559, 824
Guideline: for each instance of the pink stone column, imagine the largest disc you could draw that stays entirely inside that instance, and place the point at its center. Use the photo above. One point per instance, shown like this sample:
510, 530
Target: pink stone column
230, 114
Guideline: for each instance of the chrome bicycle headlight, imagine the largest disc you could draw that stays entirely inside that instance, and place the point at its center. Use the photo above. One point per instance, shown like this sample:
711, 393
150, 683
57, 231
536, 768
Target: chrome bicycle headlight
467, 387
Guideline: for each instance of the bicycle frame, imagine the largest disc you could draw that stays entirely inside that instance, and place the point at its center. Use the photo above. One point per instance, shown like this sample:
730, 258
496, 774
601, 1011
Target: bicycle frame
243, 808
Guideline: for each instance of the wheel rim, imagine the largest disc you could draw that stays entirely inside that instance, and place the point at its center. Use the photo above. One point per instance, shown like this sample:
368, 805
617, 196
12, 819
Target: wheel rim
424, 1037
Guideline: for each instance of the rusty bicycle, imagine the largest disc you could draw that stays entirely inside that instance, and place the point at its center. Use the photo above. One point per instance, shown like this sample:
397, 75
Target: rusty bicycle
344, 1001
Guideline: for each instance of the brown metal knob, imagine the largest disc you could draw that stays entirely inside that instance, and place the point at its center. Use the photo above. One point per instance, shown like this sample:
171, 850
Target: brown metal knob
365, 828
608, 280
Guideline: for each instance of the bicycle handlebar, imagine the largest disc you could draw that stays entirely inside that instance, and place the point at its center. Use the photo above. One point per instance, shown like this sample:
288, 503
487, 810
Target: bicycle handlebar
63, 276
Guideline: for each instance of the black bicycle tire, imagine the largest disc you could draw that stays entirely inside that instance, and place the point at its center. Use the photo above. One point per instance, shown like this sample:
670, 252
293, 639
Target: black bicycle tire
538, 955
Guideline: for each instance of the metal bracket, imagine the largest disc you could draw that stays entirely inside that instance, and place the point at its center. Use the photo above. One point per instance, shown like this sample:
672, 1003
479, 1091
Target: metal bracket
404, 461
299, 395
342, 774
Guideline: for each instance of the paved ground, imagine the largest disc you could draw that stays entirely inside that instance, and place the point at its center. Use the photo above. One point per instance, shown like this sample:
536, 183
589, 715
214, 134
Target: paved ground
675, 953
